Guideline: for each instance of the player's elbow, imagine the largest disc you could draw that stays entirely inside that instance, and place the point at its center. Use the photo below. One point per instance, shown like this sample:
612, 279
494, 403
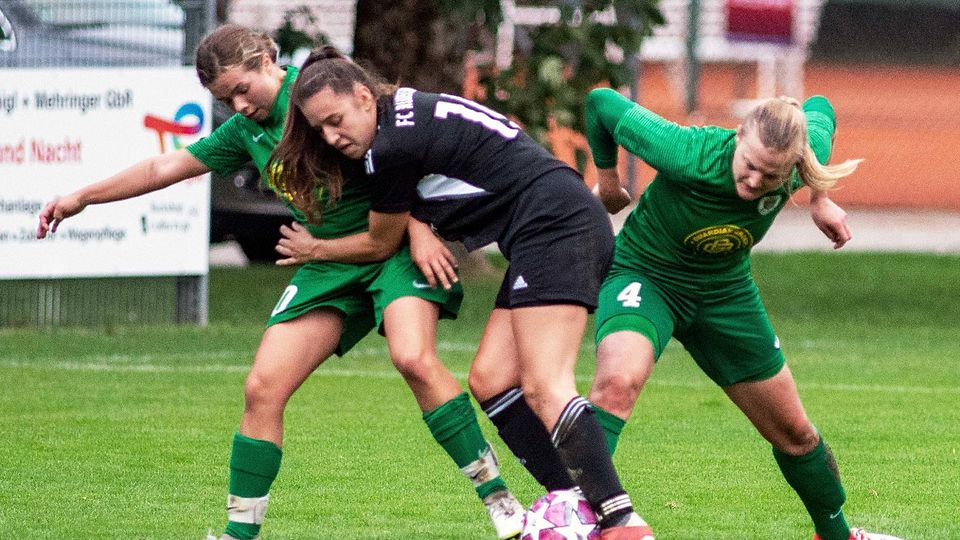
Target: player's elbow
163, 170
604, 108
382, 248
386, 233
598, 95
380, 253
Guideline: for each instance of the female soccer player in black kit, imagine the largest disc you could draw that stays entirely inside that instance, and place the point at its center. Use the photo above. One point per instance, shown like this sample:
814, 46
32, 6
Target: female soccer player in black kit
474, 176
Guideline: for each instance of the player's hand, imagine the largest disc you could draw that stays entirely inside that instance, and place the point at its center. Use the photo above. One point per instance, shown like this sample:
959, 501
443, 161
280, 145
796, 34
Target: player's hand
608, 189
435, 261
57, 211
296, 245
831, 220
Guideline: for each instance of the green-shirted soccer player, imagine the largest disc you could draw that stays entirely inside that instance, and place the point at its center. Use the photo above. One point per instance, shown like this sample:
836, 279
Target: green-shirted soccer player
682, 269
327, 307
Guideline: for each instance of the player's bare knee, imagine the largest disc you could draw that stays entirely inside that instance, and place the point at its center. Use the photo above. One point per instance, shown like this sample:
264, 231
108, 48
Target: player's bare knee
414, 364
541, 395
261, 392
481, 381
616, 392
477, 386
798, 439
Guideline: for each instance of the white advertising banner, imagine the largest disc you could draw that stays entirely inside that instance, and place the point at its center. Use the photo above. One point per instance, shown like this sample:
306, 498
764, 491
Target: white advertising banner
61, 129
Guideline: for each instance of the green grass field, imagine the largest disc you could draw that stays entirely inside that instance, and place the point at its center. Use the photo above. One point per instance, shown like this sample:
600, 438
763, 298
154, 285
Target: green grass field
125, 432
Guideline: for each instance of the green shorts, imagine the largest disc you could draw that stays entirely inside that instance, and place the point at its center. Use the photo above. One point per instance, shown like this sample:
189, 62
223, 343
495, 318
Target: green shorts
361, 292
725, 329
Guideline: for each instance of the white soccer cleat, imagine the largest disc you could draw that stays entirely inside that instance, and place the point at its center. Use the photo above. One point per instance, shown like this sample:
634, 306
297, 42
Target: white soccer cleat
506, 513
860, 534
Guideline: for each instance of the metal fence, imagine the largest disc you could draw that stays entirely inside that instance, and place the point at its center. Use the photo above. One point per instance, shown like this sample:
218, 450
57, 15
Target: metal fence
102, 301
77, 33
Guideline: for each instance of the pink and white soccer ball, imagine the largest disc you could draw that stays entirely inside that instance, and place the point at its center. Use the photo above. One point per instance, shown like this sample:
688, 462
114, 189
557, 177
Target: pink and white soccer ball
560, 515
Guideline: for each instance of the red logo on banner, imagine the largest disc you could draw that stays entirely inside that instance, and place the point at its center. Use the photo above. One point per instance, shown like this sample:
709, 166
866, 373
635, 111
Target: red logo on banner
760, 20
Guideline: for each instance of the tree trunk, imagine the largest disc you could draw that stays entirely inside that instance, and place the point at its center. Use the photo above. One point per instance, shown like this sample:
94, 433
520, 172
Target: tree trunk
408, 42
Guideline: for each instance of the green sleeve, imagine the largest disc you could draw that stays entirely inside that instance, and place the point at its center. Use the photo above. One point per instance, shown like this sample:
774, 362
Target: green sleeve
613, 120
821, 125
223, 151
678, 151
604, 109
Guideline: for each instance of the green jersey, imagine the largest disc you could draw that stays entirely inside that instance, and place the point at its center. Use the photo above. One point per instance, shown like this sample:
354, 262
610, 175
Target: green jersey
690, 225
239, 140
360, 292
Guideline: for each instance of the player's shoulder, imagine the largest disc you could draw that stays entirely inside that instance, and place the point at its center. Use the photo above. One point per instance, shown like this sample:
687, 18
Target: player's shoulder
414, 108
401, 109
403, 120
419, 97
228, 135
427, 103
704, 141
722, 135
236, 125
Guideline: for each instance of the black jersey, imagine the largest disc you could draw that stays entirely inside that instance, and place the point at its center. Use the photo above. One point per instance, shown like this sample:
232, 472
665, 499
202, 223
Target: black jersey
452, 163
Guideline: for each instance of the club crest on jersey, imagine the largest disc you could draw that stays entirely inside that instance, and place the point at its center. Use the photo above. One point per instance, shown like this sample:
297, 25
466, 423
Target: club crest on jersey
719, 240
768, 204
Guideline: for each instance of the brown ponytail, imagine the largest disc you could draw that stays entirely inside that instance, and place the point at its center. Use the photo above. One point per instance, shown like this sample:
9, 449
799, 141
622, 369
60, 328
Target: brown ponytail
303, 163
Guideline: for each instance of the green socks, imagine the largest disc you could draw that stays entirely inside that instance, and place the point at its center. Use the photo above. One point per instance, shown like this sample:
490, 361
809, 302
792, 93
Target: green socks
254, 465
612, 426
454, 426
815, 478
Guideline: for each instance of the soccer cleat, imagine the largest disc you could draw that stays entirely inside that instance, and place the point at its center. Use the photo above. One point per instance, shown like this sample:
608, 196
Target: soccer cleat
635, 529
506, 513
860, 534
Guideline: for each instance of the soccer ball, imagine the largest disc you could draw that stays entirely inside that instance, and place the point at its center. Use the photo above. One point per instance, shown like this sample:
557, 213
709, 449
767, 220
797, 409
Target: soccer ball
560, 515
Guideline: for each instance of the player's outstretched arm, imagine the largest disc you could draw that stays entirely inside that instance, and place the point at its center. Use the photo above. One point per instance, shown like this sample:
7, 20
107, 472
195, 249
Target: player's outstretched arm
145, 176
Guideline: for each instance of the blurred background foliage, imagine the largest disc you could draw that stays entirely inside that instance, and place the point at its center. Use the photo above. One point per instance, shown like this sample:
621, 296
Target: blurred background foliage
554, 65
293, 34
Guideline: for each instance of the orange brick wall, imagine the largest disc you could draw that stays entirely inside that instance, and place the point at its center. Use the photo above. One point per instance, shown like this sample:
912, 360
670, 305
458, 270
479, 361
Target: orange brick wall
905, 122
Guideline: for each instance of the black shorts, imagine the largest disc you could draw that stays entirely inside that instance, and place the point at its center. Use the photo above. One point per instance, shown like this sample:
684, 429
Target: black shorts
559, 243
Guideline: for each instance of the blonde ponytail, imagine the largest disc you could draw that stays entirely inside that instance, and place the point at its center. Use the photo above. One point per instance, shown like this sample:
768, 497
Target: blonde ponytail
781, 126
823, 177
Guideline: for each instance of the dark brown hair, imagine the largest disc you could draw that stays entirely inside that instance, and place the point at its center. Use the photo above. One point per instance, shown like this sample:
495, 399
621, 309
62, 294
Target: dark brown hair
303, 162
232, 45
